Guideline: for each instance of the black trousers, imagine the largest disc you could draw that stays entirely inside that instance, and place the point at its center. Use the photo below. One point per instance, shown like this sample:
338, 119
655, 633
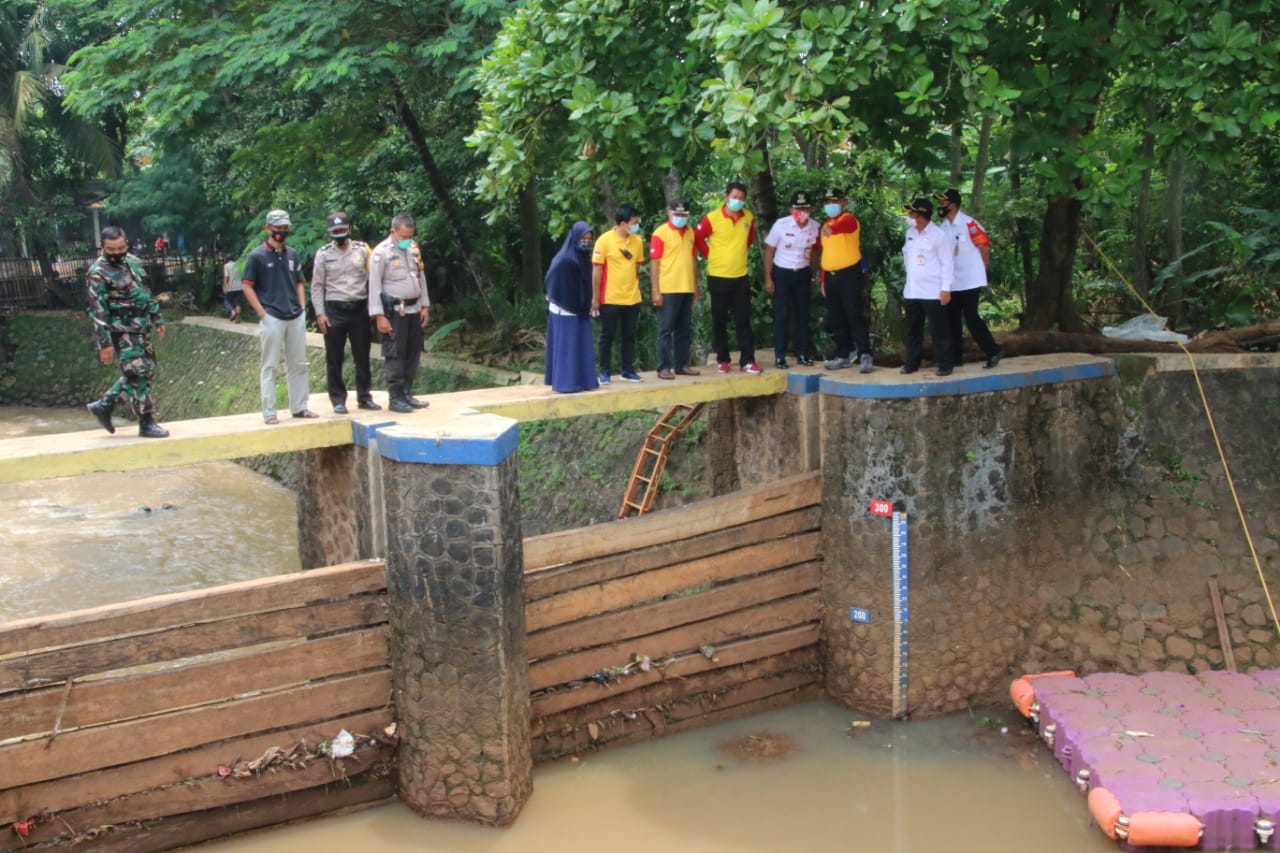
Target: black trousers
847, 318
964, 308
674, 331
918, 310
348, 321
731, 295
791, 302
611, 317
402, 350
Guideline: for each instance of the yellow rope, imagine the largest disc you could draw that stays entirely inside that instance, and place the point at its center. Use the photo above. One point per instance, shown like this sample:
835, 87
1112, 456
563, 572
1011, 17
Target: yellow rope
1213, 428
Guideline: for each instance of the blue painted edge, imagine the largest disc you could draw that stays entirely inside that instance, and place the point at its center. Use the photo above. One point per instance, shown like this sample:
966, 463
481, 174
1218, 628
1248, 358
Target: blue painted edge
803, 383
978, 384
361, 433
450, 450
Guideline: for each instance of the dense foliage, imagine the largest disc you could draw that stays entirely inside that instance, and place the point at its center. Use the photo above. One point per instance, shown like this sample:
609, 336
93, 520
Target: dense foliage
1098, 140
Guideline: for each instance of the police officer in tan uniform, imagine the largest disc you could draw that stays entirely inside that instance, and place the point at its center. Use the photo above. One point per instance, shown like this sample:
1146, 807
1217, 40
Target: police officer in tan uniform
340, 296
399, 304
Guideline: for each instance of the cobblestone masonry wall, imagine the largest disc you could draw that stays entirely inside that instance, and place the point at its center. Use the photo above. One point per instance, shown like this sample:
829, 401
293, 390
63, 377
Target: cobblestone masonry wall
327, 506
1069, 526
460, 675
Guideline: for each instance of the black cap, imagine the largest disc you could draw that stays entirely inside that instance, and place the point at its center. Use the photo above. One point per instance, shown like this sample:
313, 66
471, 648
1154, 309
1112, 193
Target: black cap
800, 200
952, 195
921, 205
835, 193
679, 207
338, 222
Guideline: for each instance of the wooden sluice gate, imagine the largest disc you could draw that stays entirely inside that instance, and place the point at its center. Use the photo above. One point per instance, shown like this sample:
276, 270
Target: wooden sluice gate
1167, 759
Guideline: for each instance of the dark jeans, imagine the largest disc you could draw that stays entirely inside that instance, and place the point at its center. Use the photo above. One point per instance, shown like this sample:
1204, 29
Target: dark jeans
731, 295
847, 317
402, 350
347, 321
918, 310
674, 327
791, 300
964, 305
611, 316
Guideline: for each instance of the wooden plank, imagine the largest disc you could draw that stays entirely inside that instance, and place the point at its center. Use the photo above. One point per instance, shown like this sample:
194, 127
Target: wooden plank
672, 612
185, 830
569, 546
96, 702
1224, 633
763, 619
198, 605
106, 746
209, 792
683, 666
74, 791
546, 582
628, 591
42, 668
663, 693
749, 701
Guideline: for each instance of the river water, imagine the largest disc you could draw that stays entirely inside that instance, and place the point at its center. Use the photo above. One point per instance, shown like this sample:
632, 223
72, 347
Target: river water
800, 779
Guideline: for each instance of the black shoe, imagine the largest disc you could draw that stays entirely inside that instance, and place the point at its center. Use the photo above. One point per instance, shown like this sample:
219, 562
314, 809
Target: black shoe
416, 404
994, 360
339, 409
906, 368
101, 410
944, 371
780, 363
400, 406
805, 361
148, 428
368, 405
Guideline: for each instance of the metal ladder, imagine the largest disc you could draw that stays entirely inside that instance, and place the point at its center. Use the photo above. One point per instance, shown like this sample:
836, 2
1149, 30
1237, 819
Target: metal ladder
647, 473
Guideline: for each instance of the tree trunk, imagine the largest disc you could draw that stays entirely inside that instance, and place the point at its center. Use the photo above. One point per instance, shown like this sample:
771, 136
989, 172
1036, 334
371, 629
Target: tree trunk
957, 153
1021, 233
980, 165
764, 194
672, 185
608, 201
1142, 213
1171, 299
475, 265
1050, 302
531, 267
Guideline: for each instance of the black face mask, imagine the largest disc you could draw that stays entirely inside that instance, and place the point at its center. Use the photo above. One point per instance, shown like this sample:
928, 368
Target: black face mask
114, 258
280, 236
341, 239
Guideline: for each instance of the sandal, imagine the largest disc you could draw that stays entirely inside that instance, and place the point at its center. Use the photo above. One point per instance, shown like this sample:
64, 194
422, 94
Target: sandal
270, 419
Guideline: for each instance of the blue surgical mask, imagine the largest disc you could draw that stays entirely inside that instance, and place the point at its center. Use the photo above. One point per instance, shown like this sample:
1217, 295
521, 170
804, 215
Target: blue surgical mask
634, 227
404, 244
585, 247
679, 221
735, 204
831, 209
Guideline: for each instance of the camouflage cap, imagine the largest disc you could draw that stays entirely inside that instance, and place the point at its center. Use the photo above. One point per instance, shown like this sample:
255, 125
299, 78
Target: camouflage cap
279, 219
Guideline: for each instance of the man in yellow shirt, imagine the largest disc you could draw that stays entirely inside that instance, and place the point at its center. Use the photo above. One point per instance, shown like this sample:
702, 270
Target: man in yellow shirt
615, 279
842, 284
723, 237
674, 280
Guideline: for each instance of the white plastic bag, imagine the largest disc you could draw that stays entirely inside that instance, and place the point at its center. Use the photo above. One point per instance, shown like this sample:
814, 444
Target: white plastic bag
1144, 327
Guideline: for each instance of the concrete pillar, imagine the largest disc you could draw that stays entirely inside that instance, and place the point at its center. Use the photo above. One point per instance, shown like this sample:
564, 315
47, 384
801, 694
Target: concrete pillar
456, 586
329, 507
757, 440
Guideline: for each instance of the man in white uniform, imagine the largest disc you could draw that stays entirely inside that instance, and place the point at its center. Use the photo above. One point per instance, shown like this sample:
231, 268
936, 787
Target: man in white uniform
972, 253
930, 264
788, 277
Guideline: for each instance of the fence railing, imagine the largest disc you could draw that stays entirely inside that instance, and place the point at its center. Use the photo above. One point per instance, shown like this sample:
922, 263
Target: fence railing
23, 284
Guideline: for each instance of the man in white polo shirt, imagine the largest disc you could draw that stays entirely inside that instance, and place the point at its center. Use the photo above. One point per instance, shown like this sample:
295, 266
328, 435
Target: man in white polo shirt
788, 277
972, 251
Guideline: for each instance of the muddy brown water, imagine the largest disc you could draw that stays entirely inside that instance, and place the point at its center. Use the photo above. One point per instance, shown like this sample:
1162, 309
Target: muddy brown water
800, 779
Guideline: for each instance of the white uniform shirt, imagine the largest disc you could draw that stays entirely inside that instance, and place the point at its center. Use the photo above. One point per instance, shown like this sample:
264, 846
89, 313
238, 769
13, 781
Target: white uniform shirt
967, 236
930, 261
792, 243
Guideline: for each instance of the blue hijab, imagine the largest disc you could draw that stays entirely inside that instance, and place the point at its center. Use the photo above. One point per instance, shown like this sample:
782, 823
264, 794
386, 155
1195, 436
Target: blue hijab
568, 279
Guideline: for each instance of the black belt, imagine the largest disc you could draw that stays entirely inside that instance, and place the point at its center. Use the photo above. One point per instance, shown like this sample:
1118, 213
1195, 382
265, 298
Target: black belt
346, 304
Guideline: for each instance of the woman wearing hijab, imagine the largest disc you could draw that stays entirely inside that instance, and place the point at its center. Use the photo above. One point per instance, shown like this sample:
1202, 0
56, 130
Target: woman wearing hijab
570, 361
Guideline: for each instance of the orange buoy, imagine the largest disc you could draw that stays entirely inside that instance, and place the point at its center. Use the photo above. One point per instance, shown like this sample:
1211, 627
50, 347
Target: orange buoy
1164, 829
1105, 809
1023, 695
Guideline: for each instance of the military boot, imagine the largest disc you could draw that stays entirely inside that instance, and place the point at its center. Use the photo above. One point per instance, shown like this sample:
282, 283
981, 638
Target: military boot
102, 410
148, 428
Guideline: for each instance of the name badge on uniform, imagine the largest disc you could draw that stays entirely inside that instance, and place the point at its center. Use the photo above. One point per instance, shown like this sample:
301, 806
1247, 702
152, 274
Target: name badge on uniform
920, 259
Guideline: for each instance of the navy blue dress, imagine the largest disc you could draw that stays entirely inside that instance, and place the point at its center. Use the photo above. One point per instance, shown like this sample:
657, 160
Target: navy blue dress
570, 362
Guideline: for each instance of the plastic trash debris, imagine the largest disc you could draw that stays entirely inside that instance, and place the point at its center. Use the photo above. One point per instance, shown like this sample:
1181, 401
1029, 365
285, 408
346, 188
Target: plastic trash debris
860, 724
342, 745
24, 827
1144, 327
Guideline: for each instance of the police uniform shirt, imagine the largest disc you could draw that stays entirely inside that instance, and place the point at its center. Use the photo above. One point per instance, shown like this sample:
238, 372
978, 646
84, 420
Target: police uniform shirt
967, 239
792, 242
340, 276
929, 259
398, 273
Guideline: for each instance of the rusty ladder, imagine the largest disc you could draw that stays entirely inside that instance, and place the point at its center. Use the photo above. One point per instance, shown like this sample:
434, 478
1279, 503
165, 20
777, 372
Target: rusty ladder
653, 458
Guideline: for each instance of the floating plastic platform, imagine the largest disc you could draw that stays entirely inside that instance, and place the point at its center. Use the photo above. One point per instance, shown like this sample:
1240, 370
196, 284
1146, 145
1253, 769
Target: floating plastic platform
1167, 759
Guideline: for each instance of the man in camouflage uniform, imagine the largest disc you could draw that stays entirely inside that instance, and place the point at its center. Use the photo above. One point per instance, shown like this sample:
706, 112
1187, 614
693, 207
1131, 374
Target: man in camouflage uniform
399, 304
124, 312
